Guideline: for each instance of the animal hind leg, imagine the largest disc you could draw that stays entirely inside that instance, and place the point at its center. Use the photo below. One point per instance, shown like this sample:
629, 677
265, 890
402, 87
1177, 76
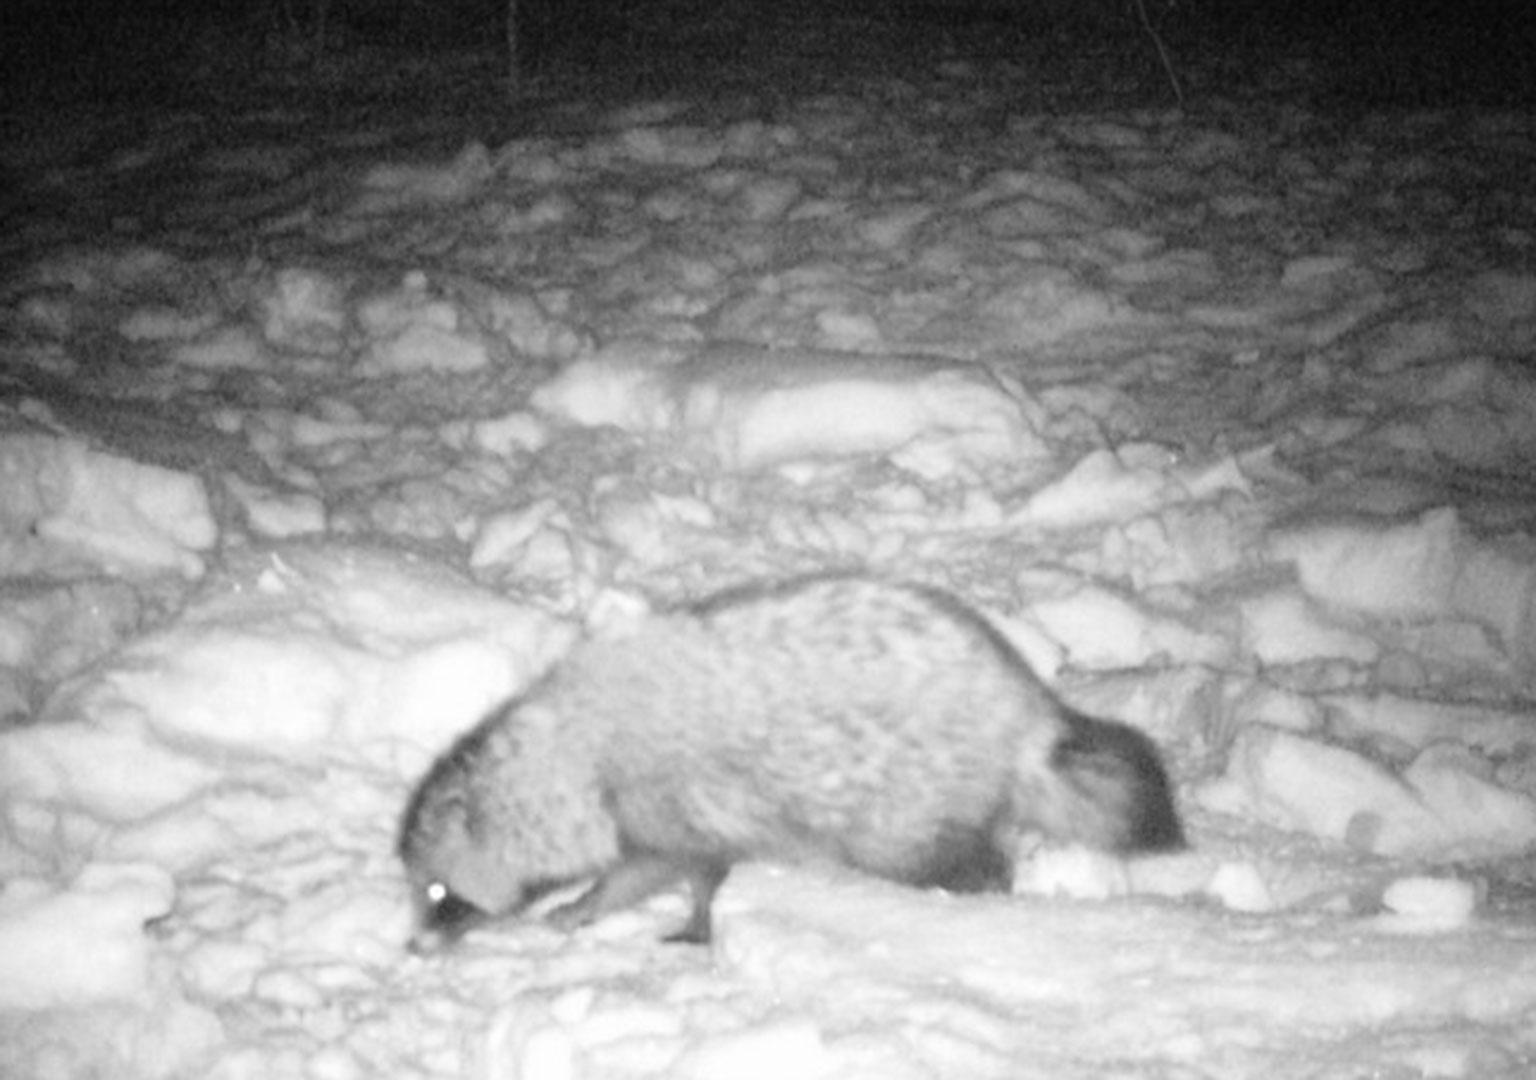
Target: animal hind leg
967, 859
704, 879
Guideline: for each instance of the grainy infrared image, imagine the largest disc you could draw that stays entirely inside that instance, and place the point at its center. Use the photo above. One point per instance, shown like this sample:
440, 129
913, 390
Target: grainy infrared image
724, 538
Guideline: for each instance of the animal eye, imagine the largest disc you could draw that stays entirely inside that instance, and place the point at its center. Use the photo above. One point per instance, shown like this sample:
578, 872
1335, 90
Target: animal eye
450, 913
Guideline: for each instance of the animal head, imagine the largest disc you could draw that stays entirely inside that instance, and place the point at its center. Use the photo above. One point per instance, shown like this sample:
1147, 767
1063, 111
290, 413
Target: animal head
458, 877
496, 823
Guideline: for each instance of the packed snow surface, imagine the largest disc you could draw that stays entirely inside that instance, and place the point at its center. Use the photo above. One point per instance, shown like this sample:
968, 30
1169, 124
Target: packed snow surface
316, 442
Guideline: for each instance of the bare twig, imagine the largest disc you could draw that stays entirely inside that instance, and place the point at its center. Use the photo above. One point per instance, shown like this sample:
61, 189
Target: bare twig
1162, 51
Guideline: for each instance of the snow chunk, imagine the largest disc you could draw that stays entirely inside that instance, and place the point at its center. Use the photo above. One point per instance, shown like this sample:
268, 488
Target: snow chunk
1439, 808
1016, 202
1430, 902
1117, 485
1386, 569
1044, 305
1475, 812
1425, 569
532, 537
1178, 545
306, 311
82, 944
412, 331
1504, 732
765, 1052
1239, 886
681, 145
1105, 485
392, 187
608, 392
52, 629
277, 515
163, 324
1403, 345
64, 505
756, 407
893, 227
546, 1054
1075, 871
110, 770
225, 348
1314, 271
1103, 629
1281, 627
506, 434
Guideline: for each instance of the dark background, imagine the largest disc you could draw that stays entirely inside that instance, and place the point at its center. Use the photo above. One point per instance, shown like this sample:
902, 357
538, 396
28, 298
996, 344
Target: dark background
1410, 52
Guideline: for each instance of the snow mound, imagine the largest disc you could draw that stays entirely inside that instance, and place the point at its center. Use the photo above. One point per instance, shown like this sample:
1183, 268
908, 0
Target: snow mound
757, 407
300, 656
161, 1036
1019, 968
233, 781
81, 944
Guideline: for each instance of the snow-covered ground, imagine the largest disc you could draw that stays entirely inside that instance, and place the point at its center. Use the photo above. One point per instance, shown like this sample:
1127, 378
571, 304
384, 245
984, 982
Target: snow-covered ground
321, 432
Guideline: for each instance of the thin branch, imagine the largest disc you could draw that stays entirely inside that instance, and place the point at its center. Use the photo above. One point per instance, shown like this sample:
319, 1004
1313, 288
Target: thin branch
1162, 52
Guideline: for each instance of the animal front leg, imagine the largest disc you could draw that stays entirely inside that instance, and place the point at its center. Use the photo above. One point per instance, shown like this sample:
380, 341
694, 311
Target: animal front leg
639, 876
625, 885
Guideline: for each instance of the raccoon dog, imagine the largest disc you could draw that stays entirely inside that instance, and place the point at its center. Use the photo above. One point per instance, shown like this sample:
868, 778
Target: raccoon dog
839, 719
